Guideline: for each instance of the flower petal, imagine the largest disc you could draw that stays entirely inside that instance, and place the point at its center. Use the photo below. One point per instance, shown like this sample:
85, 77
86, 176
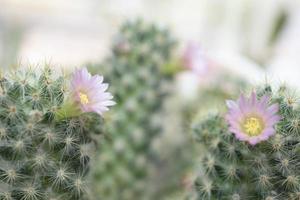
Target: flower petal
243, 108
94, 88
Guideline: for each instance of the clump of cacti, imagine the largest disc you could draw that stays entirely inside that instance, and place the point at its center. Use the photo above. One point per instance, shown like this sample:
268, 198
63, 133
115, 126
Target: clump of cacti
47, 134
135, 68
253, 151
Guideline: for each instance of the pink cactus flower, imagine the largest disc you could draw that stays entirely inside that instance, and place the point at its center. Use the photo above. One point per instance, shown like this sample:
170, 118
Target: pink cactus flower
252, 120
195, 59
90, 92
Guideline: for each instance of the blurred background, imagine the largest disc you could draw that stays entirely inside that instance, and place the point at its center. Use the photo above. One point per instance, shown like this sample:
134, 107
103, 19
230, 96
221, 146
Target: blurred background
251, 37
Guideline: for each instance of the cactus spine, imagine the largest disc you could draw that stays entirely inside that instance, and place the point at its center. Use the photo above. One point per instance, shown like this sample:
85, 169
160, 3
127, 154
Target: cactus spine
231, 169
135, 68
42, 157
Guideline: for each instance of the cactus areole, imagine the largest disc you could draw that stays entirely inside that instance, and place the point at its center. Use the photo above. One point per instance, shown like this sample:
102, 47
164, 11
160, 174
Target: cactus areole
47, 137
254, 152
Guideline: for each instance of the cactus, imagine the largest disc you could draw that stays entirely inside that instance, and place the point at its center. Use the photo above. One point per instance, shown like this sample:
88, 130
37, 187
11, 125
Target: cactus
136, 70
44, 153
267, 169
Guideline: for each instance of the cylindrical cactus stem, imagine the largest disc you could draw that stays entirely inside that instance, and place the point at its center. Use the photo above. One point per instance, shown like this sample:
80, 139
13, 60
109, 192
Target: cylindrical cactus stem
136, 69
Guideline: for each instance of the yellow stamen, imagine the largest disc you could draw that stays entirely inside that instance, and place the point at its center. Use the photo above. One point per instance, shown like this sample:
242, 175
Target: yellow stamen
253, 126
83, 98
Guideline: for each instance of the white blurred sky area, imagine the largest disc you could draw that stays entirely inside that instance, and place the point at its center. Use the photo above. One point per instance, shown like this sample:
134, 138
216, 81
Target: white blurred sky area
235, 33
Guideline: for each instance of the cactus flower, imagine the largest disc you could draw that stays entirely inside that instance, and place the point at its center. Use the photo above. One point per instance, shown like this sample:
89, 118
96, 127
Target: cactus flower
195, 59
252, 120
90, 92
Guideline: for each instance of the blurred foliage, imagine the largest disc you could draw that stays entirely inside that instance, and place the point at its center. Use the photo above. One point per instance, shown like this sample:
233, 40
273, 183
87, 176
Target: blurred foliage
11, 36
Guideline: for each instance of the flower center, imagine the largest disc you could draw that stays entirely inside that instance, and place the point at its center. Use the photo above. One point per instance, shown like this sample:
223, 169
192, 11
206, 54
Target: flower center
253, 126
83, 98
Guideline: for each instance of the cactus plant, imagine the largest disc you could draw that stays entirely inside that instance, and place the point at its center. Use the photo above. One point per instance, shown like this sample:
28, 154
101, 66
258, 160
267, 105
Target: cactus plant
264, 163
45, 150
139, 52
